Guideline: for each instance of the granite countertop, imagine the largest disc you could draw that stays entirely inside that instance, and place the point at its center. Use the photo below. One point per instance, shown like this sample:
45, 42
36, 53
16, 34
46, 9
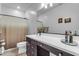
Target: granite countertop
54, 40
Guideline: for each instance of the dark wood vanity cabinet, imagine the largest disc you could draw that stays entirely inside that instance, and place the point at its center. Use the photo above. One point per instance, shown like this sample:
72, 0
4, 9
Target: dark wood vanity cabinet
31, 48
35, 48
58, 52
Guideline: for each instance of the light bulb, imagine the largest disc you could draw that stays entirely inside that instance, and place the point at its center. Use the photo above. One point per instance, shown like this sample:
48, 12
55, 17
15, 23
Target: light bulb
45, 6
42, 5
51, 4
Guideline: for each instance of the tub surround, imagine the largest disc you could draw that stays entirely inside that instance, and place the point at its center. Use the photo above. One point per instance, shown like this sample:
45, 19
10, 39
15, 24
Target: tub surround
54, 40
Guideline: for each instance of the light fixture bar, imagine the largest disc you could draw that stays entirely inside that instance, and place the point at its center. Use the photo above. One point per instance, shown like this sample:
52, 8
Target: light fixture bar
45, 5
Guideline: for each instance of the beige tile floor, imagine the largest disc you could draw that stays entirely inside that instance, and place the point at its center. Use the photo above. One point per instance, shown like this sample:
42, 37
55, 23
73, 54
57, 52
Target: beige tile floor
13, 52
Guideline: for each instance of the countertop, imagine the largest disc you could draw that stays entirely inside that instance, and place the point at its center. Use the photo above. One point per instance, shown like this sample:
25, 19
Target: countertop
54, 40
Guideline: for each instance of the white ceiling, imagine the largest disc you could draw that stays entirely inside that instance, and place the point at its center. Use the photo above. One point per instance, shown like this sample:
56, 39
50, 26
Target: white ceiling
43, 10
24, 6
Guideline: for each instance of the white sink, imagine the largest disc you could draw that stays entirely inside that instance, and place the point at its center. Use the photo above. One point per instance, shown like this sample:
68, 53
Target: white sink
71, 44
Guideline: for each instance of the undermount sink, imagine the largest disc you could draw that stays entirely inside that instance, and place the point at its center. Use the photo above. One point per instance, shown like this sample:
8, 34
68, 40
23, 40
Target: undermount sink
71, 44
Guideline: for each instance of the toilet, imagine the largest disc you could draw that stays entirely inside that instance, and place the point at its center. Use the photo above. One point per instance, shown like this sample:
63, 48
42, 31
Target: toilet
21, 47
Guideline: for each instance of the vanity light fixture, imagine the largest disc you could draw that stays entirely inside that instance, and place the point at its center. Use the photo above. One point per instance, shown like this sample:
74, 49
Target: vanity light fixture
42, 5
45, 5
51, 4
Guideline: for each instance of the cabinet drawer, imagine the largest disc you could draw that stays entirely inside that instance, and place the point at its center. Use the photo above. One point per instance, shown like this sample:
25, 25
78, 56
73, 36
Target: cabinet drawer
59, 52
65, 53
33, 42
28, 40
44, 46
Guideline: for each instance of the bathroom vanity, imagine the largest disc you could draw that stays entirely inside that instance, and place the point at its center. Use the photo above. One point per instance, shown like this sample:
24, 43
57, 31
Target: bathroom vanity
49, 45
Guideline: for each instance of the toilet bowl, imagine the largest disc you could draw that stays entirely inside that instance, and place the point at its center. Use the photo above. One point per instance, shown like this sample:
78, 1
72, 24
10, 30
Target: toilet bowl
21, 47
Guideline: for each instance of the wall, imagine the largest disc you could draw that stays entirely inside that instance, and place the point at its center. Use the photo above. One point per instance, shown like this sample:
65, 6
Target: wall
0, 8
32, 25
64, 10
51, 18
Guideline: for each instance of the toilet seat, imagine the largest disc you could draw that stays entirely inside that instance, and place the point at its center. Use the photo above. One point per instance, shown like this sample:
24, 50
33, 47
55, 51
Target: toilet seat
21, 44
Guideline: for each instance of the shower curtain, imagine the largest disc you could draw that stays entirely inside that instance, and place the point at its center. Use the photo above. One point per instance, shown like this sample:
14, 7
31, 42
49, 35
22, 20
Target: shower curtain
13, 30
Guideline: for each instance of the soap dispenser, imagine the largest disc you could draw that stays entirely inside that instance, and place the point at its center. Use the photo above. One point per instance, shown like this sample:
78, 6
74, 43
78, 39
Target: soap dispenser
66, 36
70, 37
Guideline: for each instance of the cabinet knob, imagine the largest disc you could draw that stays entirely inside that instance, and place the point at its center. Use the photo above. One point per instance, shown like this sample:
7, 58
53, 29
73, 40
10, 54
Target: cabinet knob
32, 47
60, 54
41, 45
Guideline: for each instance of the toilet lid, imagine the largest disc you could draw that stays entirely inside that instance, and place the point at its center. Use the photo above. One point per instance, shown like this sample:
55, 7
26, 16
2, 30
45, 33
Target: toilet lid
21, 44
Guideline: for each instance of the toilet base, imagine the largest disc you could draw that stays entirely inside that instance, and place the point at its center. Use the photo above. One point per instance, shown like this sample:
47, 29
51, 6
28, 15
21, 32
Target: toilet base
21, 50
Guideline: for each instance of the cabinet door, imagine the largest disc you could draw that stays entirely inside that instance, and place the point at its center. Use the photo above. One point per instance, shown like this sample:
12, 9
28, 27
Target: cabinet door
31, 47
28, 52
59, 52
62, 53
33, 50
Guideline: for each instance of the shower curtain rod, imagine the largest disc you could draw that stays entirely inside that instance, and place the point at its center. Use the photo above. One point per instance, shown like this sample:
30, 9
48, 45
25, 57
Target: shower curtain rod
14, 16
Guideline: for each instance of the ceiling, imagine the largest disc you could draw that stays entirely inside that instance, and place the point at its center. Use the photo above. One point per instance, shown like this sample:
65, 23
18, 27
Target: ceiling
43, 10
23, 6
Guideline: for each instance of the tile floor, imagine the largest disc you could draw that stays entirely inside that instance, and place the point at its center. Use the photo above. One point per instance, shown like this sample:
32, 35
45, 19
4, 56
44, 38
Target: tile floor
13, 52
